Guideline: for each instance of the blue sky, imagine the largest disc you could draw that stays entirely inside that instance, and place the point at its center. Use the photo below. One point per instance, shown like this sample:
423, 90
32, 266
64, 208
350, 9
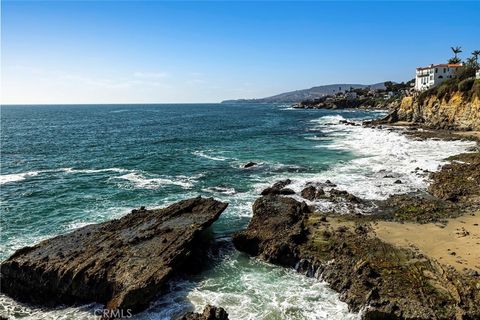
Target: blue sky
154, 51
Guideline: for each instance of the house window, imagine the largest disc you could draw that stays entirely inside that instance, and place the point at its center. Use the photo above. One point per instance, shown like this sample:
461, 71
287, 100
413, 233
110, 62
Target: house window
440, 77
444, 70
436, 70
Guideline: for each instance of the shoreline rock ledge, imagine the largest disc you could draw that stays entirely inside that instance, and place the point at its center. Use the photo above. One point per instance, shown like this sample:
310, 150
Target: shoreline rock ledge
378, 279
122, 263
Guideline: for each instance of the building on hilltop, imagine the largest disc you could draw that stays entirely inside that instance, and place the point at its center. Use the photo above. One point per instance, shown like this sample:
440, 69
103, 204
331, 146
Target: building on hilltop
434, 74
477, 75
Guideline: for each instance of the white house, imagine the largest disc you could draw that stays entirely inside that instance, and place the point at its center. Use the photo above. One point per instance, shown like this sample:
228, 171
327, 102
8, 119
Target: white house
433, 75
477, 74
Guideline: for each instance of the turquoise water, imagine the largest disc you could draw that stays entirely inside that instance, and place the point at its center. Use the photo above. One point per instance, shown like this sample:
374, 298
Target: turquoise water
67, 166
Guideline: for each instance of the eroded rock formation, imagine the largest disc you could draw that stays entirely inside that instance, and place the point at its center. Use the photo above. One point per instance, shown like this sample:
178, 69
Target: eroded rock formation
121, 263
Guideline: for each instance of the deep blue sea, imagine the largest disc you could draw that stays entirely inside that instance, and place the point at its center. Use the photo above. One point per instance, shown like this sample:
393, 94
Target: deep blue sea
63, 167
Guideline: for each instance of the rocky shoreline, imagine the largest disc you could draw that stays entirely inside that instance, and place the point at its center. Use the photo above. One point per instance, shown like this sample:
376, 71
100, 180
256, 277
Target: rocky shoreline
382, 263
373, 273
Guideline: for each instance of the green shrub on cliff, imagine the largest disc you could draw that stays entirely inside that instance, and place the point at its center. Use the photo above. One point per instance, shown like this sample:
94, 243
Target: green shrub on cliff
442, 91
465, 72
476, 88
465, 85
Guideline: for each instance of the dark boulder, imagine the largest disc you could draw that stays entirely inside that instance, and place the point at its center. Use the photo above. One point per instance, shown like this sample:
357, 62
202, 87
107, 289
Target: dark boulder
279, 188
275, 230
286, 191
121, 263
209, 313
336, 195
250, 164
311, 193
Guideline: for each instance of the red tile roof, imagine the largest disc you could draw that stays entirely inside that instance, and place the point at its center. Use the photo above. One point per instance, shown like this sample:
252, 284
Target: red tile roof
441, 65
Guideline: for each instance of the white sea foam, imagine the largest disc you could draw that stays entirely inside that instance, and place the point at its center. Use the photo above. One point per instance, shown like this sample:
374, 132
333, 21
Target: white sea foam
140, 180
78, 225
14, 177
202, 154
250, 289
11, 309
380, 158
219, 189
72, 170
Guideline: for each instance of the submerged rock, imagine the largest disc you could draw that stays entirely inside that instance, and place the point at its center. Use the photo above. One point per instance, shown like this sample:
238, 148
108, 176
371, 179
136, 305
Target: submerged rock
209, 313
121, 263
250, 164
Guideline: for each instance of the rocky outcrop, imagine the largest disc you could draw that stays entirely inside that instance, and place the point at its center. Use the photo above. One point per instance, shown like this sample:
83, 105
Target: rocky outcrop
334, 102
121, 263
456, 111
209, 313
279, 188
276, 228
386, 281
458, 181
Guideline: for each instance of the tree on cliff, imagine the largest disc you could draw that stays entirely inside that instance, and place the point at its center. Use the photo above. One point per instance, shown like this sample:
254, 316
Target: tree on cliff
456, 50
475, 55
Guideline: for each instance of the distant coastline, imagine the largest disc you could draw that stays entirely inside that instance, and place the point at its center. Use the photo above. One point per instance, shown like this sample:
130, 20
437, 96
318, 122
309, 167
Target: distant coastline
308, 94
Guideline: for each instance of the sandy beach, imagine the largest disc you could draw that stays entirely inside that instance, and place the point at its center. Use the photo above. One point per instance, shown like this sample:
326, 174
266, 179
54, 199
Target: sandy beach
456, 243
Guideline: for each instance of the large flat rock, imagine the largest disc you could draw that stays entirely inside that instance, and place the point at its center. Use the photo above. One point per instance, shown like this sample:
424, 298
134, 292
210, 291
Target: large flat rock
121, 263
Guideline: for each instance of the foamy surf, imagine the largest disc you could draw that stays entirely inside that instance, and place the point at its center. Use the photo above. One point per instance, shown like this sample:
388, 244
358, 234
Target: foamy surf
202, 154
384, 162
241, 284
144, 181
15, 177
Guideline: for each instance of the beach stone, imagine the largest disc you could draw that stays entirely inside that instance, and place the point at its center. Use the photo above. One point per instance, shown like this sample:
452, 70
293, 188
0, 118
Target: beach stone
122, 263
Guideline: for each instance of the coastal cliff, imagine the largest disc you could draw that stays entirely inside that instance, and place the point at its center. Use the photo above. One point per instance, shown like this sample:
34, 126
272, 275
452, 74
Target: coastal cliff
446, 107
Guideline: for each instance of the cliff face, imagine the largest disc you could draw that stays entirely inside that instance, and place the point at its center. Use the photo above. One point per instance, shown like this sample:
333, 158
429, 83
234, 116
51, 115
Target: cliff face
457, 111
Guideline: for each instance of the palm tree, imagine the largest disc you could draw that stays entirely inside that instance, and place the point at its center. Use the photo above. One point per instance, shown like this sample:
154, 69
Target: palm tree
475, 55
456, 50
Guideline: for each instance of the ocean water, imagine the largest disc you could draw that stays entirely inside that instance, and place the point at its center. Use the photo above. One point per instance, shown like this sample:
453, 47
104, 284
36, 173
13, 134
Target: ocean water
63, 167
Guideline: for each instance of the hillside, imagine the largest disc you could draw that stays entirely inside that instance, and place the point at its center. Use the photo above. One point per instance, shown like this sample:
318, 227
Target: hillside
308, 94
